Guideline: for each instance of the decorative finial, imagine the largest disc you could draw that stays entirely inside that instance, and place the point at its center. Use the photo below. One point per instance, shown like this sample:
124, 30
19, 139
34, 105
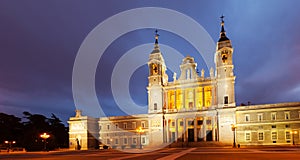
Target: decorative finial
222, 26
211, 72
78, 113
174, 76
156, 36
222, 18
202, 73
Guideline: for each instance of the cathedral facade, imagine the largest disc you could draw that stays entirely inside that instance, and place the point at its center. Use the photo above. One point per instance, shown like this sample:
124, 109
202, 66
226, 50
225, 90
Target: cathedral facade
190, 111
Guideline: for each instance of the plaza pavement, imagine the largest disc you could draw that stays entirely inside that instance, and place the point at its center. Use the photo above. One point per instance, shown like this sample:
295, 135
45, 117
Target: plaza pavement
210, 153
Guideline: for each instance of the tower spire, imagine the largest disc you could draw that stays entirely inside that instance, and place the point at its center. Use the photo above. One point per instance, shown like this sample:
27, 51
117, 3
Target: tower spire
156, 36
156, 46
222, 33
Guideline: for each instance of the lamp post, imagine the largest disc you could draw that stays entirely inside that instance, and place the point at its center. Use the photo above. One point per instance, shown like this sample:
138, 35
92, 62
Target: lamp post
164, 112
140, 131
45, 136
293, 134
233, 127
10, 143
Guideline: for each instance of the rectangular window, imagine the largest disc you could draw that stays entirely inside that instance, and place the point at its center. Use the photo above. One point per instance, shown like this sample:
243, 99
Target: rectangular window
134, 140
181, 123
287, 135
116, 126
273, 126
125, 140
287, 126
247, 117
208, 122
133, 125
116, 141
155, 106
191, 105
260, 136
247, 136
274, 135
108, 141
260, 117
143, 124
200, 122
173, 124
226, 100
273, 116
191, 123
107, 127
125, 125
143, 140
287, 115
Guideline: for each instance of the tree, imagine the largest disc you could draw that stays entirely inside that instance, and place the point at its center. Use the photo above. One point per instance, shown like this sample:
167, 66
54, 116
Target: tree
10, 128
27, 133
35, 125
59, 132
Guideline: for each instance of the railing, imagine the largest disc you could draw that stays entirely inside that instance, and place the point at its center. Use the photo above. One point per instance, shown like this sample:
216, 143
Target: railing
171, 110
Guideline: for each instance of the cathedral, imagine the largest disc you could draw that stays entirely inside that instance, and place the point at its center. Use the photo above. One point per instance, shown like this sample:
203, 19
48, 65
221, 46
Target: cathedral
192, 110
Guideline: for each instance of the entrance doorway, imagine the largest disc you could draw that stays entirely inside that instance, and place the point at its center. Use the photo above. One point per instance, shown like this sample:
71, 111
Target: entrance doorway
209, 135
172, 137
191, 135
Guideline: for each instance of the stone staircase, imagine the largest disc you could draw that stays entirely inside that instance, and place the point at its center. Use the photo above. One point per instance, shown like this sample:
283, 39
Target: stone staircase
198, 144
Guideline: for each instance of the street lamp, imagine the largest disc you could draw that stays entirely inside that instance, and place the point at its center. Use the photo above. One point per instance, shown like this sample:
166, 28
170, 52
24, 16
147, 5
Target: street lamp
293, 134
233, 127
10, 143
45, 136
140, 131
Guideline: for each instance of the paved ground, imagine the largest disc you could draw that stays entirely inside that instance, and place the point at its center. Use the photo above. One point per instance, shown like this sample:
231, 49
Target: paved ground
164, 154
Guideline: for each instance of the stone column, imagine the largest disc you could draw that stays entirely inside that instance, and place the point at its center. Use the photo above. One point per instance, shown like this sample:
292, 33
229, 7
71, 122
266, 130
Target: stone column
203, 99
176, 130
175, 102
204, 129
167, 131
195, 129
194, 103
166, 101
213, 97
183, 100
213, 128
184, 129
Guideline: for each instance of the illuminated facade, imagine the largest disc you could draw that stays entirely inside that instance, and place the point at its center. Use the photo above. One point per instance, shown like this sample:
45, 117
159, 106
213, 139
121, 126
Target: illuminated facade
191, 110
268, 124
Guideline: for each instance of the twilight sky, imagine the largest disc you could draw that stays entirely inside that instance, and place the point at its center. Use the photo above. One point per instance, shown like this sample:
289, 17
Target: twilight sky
39, 41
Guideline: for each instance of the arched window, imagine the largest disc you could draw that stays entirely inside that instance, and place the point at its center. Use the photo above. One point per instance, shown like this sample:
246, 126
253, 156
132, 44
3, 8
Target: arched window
207, 96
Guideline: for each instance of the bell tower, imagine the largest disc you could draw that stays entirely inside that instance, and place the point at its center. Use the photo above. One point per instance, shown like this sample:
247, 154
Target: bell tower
224, 70
157, 78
